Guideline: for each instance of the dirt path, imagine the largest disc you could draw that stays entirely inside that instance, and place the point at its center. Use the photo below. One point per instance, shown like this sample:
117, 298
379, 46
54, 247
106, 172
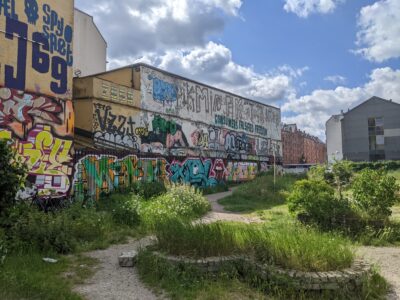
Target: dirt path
112, 282
218, 213
388, 260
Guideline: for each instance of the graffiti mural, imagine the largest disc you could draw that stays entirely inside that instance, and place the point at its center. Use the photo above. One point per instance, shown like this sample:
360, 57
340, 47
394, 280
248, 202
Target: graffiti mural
194, 171
36, 111
113, 129
241, 171
201, 103
163, 91
102, 174
48, 159
99, 174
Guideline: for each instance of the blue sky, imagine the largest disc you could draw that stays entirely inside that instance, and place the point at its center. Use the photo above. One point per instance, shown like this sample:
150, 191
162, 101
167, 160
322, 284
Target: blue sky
312, 58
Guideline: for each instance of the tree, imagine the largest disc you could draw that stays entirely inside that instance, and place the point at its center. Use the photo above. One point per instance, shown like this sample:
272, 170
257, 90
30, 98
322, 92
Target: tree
12, 176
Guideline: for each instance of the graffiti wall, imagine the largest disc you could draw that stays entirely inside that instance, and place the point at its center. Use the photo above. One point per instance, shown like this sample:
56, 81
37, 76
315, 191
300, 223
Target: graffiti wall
116, 126
96, 174
208, 118
36, 112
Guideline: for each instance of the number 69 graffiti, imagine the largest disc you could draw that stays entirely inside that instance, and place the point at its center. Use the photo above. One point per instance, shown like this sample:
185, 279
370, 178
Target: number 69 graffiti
40, 59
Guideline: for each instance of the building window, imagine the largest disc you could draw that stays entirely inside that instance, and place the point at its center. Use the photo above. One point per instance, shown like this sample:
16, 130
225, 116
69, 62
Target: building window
376, 135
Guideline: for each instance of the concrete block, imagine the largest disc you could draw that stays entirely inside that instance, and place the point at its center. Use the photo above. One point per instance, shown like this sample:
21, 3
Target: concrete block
127, 259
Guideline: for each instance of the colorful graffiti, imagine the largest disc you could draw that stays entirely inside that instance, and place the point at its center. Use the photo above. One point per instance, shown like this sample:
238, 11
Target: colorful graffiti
48, 158
102, 174
194, 171
163, 91
166, 134
241, 171
36, 111
97, 174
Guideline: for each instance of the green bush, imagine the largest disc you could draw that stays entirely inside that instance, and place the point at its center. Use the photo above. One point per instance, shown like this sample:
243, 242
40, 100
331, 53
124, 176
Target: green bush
315, 201
179, 201
12, 176
123, 207
60, 232
375, 192
148, 190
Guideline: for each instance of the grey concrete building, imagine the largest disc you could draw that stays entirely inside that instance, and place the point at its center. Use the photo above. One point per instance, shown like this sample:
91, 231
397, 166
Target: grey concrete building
369, 131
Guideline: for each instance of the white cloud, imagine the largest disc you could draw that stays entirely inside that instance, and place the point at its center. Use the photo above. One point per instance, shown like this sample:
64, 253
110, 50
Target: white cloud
213, 64
312, 111
336, 79
144, 26
303, 8
379, 35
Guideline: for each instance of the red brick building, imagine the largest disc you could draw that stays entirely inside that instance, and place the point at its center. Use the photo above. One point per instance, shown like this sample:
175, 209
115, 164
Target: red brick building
300, 147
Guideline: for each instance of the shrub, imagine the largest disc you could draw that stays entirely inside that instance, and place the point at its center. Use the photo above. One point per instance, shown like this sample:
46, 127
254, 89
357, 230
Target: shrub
374, 191
60, 232
179, 201
148, 190
315, 201
12, 175
123, 208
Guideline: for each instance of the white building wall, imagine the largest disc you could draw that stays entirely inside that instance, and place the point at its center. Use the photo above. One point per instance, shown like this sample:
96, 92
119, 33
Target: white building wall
90, 48
334, 143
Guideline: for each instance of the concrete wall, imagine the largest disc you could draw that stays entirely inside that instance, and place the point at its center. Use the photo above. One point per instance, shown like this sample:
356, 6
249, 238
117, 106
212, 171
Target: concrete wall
36, 111
334, 138
355, 129
90, 48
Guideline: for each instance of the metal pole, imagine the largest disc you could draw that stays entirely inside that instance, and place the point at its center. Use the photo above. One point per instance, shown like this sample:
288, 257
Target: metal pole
274, 168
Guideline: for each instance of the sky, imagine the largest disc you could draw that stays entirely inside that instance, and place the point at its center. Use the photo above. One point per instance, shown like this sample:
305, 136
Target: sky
311, 58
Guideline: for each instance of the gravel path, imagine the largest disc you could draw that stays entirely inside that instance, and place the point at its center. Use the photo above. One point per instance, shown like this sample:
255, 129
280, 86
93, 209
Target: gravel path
112, 282
218, 213
388, 260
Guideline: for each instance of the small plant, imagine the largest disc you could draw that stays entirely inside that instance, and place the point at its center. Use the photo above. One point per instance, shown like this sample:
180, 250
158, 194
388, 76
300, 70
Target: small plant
12, 176
375, 192
341, 174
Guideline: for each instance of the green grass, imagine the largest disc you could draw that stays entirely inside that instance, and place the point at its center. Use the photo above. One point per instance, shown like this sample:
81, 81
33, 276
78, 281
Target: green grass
259, 194
289, 245
185, 282
26, 276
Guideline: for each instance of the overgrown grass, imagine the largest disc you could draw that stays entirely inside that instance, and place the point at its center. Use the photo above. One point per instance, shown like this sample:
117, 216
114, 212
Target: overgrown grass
185, 282
71, 230
288, 245
259, 194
